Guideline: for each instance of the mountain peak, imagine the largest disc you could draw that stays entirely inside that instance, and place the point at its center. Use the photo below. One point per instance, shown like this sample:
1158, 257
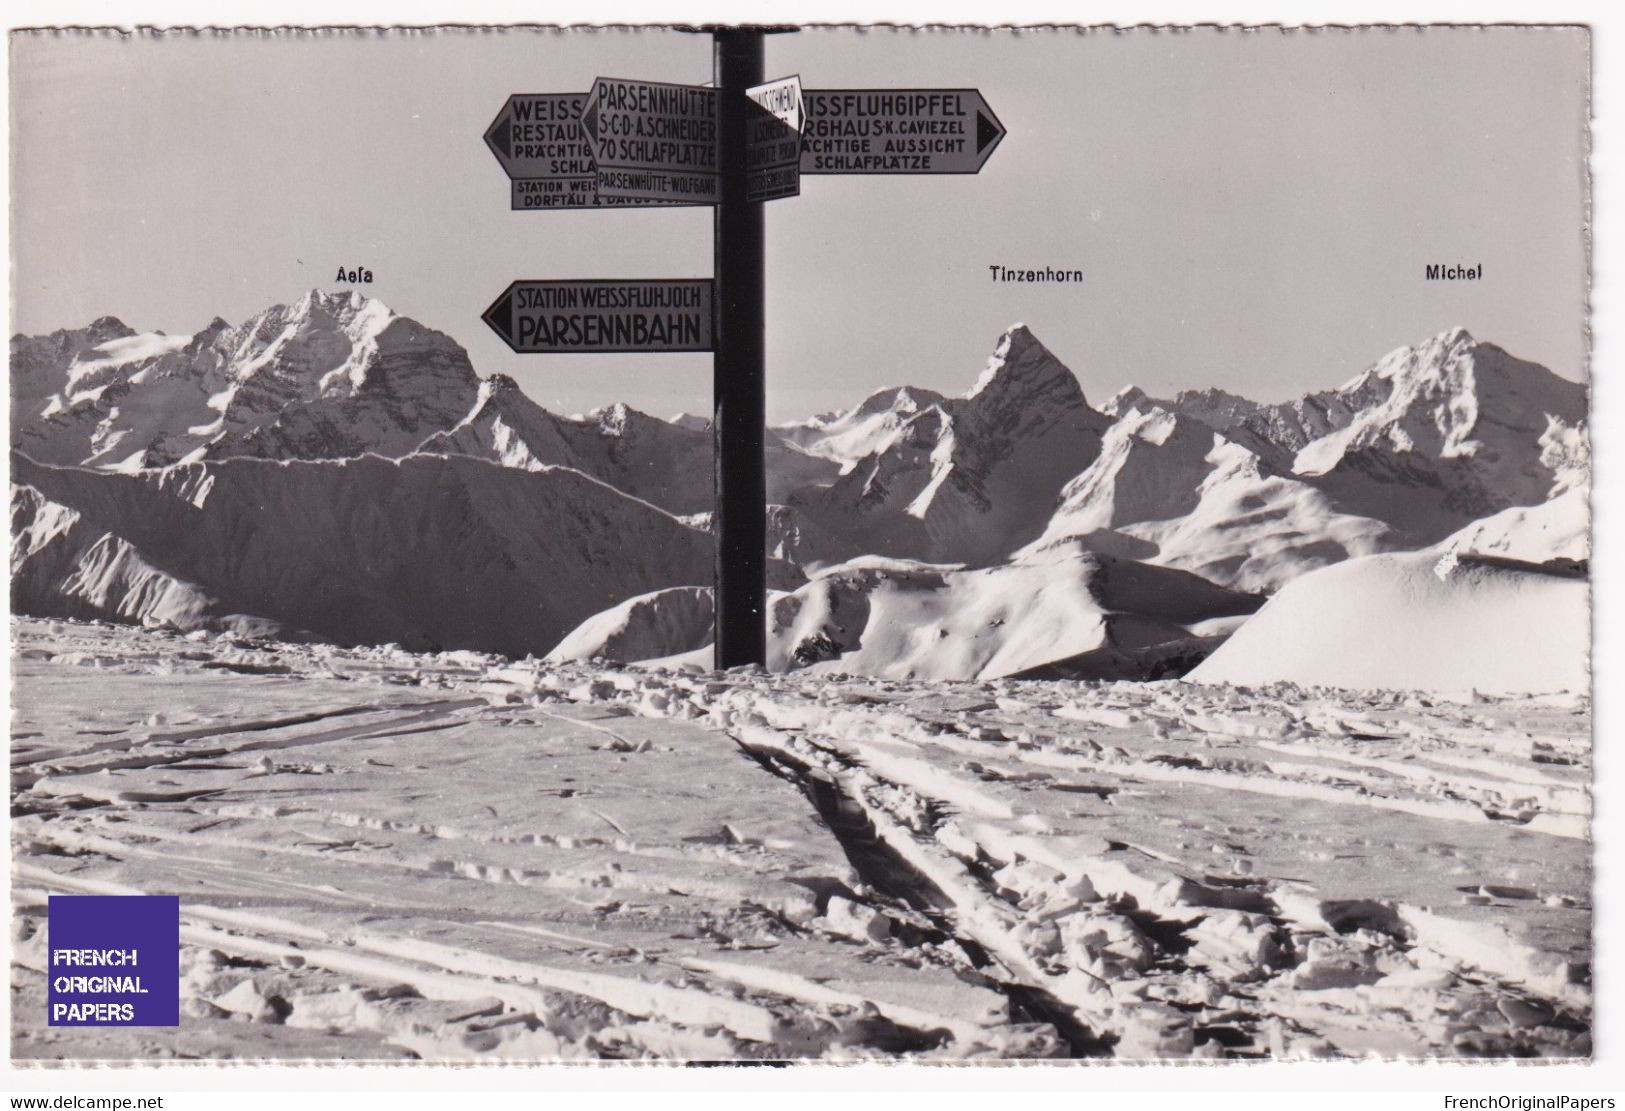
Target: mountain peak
1448, 402
207, 336
495, 392
892, 399
1436, 356
1123, 400
970, 478
1016, 340
100, 330
110, 325
333, 300
613, 419
349, 308
1023, 371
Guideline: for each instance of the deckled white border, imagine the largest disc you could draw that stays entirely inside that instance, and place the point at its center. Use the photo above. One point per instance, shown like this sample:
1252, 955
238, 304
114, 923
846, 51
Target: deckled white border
1220, 1087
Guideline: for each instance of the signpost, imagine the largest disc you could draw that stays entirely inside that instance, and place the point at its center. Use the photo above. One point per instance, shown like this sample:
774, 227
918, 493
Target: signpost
898, 131
561, 318
731, 145
738, 386
653, 140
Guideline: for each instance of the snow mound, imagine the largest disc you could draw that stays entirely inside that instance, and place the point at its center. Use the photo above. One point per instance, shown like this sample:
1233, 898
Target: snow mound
649, 626
1559, 528
1416, 621
906, 620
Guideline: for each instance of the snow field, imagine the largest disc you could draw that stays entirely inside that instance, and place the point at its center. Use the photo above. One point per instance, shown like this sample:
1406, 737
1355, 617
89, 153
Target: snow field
462, 857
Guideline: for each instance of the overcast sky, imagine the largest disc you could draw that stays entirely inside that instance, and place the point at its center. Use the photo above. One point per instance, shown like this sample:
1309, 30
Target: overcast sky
1251, 209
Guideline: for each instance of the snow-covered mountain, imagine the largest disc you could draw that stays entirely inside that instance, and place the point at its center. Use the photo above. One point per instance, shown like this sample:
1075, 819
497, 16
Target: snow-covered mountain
1453, 432
331, 376
966, 479
850, 435
1168, 489
917, 505
1422, 445
1427, 439
428, 552
38, 362
1556, 529
1425, 442
666, 463
334, 376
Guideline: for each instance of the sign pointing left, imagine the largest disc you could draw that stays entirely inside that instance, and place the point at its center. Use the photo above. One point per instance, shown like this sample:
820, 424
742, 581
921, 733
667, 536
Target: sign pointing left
539, 141
654, 140
579, 317
539, 135
537, 138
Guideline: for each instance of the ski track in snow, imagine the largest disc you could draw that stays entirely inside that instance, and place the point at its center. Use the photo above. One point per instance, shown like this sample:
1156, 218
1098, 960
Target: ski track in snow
461, 857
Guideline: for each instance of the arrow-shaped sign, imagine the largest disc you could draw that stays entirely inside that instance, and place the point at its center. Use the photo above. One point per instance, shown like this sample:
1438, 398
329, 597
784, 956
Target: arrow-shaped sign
773, 123
539, 141
537, 138
539, 135
578, 317
898, 131
782, 99
654, 140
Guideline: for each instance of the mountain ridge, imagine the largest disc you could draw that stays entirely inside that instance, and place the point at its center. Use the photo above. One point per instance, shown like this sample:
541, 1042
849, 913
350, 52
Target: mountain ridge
1451, 443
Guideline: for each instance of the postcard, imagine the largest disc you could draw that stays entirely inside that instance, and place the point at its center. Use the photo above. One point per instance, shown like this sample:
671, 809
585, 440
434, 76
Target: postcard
548, 544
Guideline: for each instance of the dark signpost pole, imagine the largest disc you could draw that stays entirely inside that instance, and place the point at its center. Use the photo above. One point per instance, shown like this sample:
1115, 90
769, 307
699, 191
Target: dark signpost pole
739, 420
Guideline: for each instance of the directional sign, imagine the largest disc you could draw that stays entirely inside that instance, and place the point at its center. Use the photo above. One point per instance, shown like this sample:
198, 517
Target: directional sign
538, 139
565, 317
773, 140
782, 99
897, 131
654, 140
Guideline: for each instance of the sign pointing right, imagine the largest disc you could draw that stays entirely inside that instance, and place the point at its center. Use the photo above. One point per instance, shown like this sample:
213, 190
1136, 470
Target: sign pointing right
773, 126
897, 131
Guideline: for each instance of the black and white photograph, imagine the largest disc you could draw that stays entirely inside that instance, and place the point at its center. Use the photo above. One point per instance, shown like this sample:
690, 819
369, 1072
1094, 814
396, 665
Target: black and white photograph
541, 545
